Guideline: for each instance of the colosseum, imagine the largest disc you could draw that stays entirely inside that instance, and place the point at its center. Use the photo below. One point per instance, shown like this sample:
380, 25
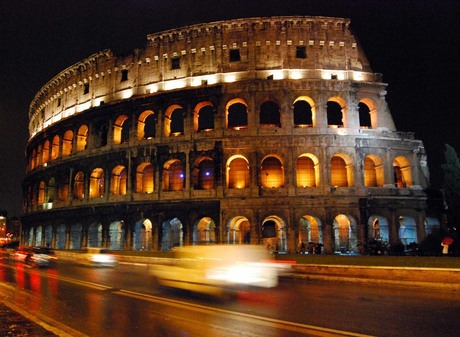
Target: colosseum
269, 130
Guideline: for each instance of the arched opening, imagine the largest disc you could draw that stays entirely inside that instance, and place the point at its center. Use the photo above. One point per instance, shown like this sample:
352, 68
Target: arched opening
402, 172
41, 193
50, 191
271, 173
237, 114
270, 114
173, 175
373, 171
118, 181
48, 236
203, 174
172, 235
61, 236
203, 117
46, 152
310, 235
237, 172
304, 112
94, 234
79, 186
368, 113
364, 116
117, 235
407, 230
345, 236
82, 138
378, 228
146, 125
341, 171
174, 121
335, 112
239, 231
143, 235
75, 236
55, 147
96, 183
121, 130
145, 178
307, 171
274, 234
67, 143
204, 231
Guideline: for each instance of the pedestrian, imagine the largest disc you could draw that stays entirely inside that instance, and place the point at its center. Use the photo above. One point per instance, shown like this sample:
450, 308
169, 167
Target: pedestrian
446, 242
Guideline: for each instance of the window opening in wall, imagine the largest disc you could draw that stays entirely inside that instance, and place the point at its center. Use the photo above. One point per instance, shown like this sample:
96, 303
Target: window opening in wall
144, 178
177, 122
59, 101
301, 52
175, 63
303, 116
270, 114
334, 114
339, 176
235, 55
364, 116
149, 127
305, 169
103, 136
124, 75
85, 88
271, 173
237, 116
203, 175
238, 173
173, 176
206, 118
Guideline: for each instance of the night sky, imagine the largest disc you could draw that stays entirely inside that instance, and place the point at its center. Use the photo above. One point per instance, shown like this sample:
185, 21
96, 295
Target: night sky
414, 44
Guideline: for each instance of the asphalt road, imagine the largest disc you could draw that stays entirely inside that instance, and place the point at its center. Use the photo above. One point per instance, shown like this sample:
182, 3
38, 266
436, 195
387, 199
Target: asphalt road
81, 301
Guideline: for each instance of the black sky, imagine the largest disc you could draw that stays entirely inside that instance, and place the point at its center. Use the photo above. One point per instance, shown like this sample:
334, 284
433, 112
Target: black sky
414, 44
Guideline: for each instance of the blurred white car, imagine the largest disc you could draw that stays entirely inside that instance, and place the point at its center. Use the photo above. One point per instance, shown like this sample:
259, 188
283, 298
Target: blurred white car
97, 257
217, 269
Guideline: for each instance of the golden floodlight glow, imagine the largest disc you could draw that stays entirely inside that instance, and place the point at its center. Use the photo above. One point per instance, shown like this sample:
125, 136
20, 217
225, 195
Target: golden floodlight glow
175, 84
278, 75
128, 93
295, 74
229, 78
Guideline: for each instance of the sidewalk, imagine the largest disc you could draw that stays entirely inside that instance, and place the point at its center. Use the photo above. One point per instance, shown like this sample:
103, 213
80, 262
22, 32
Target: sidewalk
14, 324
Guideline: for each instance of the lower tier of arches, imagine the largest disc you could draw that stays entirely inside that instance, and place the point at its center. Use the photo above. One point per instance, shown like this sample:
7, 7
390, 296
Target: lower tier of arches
285, 225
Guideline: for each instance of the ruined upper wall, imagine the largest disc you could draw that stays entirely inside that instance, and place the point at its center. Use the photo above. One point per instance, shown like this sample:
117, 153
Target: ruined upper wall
288, 48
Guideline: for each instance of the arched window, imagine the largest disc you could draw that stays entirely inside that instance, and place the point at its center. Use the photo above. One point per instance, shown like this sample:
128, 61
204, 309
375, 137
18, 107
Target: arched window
121, 130
373, 171
50, 190
174, 121
118, 181
364, 116
37, 157
55, 147
41, 193
203, 117
96, 183
79, 186
402, 172
270, 114
237, 114
67, 143
82, 138
203, 174
63, 188
173, 176
303, 112
46, 152
334, 114
341, 171
307, 171
146, 125
237, 172
272, 173
144, 178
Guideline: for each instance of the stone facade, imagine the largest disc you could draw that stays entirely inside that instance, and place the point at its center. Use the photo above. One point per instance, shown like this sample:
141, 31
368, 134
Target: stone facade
269, 131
